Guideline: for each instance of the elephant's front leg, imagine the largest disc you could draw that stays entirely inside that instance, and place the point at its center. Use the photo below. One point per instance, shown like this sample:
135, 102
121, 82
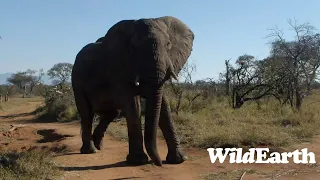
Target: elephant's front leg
175, 154
100, 130
136, 154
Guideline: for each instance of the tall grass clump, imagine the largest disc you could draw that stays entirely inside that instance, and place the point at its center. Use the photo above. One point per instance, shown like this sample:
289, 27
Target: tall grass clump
28, 165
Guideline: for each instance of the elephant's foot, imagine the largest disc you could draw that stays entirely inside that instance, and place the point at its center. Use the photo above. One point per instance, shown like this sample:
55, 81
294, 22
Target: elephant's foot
88, 148
98, 141
176, 157
137, 159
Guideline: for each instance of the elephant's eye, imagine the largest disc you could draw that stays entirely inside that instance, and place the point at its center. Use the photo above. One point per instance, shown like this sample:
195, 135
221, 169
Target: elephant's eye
168, 45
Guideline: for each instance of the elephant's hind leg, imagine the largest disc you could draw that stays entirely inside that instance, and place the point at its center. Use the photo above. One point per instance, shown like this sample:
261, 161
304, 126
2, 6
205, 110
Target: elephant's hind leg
175, 154
99, 131
86, 115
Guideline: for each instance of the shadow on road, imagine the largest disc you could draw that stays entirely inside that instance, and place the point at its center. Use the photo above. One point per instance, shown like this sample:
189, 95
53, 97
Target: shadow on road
115, 165
107, 166
50, 135
125, 178
23, 118
19, 115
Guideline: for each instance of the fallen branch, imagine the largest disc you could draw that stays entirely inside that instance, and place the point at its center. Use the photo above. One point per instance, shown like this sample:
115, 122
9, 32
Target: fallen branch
14, 127
242, 175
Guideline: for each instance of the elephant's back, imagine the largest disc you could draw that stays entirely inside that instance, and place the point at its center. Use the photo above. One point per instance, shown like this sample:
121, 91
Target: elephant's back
86, 62
89, 53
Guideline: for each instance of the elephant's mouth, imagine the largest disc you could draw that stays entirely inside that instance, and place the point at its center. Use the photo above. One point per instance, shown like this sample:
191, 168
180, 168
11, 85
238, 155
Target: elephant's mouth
144, 86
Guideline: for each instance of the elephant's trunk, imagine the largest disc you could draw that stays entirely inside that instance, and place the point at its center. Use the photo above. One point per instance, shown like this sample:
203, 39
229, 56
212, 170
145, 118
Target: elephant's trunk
153, 106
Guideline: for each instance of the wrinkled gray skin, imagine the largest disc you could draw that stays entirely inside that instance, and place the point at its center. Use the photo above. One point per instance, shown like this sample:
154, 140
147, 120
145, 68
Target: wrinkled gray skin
134, 59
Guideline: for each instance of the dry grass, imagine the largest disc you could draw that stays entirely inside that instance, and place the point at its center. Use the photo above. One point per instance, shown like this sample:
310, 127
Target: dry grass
28, 165
118, 130
228, 175
18, 101
214, 124
262, 174
275, 175
217, 125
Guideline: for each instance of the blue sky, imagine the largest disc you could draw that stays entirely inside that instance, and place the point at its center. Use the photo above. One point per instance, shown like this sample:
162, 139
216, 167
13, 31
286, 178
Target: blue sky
37, 34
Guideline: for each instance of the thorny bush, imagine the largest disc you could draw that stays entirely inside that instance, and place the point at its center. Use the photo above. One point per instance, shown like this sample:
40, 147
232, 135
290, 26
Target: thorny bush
60, 103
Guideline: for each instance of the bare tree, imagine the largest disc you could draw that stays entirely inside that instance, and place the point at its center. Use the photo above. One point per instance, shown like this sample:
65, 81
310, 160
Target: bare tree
227, 76
289, 73
249, 81
179, 89
299, 59
35, 79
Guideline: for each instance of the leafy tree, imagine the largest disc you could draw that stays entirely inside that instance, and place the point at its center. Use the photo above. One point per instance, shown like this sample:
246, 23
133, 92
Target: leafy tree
26, 79
61, 72
35, 79
20, 79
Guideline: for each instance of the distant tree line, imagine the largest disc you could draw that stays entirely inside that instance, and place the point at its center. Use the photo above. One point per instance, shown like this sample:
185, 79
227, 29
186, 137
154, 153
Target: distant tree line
27, 82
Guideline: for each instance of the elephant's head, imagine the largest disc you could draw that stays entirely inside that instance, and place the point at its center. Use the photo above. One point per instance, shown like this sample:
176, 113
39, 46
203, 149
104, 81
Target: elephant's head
157, 49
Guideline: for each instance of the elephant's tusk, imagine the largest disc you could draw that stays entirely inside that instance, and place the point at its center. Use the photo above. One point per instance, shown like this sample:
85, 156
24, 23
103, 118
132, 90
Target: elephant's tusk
137, 81
171, 70
174, 75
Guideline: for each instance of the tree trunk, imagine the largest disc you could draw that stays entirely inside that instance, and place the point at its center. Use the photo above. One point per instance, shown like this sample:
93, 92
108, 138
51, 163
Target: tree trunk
298, 100
25, 91
227, 78
178, 102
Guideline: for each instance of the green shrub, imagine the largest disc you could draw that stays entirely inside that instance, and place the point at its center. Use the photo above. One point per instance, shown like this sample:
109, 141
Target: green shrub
60, 105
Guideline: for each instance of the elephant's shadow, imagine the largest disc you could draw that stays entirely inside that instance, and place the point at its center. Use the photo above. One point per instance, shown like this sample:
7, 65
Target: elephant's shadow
107, 166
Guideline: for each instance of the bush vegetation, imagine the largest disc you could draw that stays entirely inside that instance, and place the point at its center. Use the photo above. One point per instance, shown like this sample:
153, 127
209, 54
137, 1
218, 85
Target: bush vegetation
59, 104
28, 165
211, 122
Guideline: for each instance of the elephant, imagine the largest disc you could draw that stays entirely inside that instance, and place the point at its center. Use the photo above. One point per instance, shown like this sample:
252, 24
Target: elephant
133, 60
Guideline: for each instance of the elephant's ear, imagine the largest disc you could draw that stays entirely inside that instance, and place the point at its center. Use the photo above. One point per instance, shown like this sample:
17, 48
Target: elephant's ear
119, 35
181, 42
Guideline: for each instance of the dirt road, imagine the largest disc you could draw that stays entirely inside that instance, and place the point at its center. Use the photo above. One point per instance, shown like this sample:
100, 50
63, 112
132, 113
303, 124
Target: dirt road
109, 164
